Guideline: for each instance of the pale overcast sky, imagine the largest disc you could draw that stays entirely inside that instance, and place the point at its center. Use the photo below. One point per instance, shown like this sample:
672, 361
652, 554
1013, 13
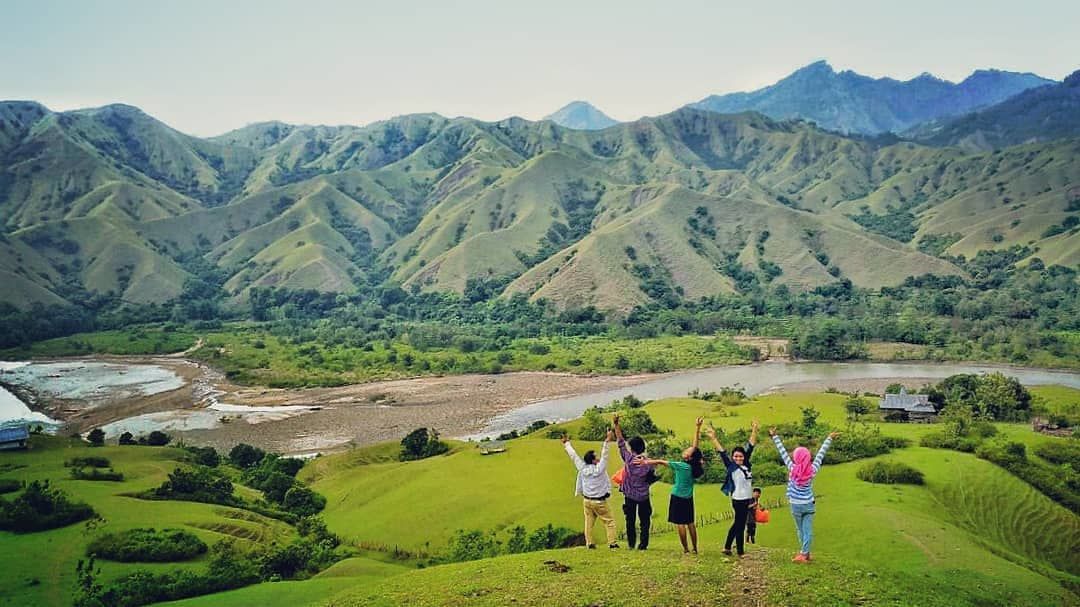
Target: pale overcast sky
207, 67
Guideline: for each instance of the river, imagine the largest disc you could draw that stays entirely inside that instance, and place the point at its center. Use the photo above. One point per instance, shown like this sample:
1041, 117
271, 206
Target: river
754, 379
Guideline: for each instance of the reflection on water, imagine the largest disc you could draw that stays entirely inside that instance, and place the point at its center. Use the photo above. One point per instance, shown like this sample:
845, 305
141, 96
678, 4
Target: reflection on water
754, 379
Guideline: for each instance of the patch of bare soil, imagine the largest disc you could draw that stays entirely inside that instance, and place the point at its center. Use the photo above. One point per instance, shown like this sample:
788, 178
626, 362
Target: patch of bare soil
370, 413
748, 587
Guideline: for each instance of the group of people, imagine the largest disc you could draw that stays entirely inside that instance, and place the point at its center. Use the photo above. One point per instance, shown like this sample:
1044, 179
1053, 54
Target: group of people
639, 473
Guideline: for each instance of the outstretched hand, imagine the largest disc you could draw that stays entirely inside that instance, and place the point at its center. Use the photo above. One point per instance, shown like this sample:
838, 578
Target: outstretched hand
615, 419
700, 420
564, 438
755, 425
610, 435
772, 431
710, 432
833, 435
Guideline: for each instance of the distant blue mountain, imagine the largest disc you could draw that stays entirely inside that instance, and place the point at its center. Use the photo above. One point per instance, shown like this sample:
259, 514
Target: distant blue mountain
581, 115
852, 103
1038, 114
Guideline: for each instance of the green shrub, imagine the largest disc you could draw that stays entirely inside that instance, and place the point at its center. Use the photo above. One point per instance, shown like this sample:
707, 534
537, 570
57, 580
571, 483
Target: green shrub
245, 456
96, 474
421, 443
88, 462
41, 507
204, 456
197, 484
9, 485
890, 473
302, 501
1061, 453
770, 473
147, 545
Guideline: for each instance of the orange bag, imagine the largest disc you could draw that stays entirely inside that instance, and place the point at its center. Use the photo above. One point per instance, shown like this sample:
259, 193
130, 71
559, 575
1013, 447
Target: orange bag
618, 477
761, 516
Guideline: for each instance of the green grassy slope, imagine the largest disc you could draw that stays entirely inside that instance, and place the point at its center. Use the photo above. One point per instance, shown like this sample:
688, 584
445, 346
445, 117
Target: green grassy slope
39, 568
974, 535
448, 200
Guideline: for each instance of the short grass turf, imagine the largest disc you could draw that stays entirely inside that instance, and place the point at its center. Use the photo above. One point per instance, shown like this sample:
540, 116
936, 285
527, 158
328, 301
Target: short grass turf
39, 568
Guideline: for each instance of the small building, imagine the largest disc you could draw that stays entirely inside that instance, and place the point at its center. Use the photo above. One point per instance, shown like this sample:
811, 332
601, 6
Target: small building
914, 407
14, 437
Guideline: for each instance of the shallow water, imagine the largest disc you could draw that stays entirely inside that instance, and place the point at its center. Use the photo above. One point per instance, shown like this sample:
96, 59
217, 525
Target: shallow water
92, 382
13, 410
754, 379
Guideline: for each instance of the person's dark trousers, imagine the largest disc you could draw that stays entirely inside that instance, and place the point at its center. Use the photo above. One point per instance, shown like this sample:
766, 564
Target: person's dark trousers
751, 527
634, 510
738, 527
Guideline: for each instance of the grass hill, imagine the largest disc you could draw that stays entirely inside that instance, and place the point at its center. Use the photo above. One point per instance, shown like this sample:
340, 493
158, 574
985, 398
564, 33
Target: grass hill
852, 103
972, 535
1042, 113
581, 115
112, 200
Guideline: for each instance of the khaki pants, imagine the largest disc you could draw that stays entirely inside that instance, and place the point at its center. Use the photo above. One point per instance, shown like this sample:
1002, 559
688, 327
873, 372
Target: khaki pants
598, 509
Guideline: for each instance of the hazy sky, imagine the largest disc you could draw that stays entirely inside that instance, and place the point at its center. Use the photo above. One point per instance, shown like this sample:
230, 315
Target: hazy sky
207, 67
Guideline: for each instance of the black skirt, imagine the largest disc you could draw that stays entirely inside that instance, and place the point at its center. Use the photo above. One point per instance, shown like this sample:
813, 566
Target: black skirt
681, 510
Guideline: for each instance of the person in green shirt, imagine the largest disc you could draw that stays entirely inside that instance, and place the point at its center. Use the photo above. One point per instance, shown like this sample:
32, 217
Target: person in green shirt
681, 506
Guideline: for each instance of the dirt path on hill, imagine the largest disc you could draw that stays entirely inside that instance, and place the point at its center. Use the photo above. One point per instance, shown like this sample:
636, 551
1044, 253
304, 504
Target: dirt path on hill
748, 586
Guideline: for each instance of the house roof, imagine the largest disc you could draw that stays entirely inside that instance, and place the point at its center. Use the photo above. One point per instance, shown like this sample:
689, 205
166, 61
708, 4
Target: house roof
12, 434
912, 403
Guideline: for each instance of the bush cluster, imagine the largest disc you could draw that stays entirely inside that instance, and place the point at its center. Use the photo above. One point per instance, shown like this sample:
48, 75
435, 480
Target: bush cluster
890, 473
96, 474
88, 462
10, 485
197, 484
40, 507
275, 476
229, 568
147, 545
420, 444
475, 544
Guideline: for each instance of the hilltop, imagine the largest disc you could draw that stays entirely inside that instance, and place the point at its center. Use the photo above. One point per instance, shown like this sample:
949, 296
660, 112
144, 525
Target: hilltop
581, 115
1039, 114
849, 102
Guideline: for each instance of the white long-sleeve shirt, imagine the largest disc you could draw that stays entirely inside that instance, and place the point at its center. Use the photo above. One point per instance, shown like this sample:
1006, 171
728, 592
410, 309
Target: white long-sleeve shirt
592, 479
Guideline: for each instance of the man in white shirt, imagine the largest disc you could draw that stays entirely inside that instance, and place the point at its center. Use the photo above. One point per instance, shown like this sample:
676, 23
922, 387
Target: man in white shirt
594, 486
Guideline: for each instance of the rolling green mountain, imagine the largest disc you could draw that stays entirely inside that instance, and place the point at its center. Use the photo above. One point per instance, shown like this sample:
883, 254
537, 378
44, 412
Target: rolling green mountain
1040, 114
852, 103
581, 115
685, 205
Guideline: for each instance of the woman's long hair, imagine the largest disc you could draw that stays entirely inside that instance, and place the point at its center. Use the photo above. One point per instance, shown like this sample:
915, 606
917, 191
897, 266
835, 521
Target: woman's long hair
697, 463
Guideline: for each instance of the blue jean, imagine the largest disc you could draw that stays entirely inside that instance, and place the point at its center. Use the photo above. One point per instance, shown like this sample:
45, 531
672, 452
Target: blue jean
804, 525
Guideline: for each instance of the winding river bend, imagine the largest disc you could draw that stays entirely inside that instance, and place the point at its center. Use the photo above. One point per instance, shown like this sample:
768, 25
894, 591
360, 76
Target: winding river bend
755, 379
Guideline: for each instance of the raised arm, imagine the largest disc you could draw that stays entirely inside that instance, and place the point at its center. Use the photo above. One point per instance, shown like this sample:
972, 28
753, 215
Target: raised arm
711, 433
624, 450
578, 462
820, 457
697, 431
641, 461
604, 450
754, 426
780, 448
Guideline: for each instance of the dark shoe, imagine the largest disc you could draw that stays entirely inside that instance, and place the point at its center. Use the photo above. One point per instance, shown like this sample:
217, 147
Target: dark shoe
642, 547
613, 546
727, 551
591, 546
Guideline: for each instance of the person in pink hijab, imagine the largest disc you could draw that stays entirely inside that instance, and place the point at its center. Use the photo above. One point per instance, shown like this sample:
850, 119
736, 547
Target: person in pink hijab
800, 489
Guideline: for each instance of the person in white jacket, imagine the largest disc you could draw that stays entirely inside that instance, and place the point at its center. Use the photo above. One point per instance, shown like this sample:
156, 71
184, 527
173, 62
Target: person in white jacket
594, 486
